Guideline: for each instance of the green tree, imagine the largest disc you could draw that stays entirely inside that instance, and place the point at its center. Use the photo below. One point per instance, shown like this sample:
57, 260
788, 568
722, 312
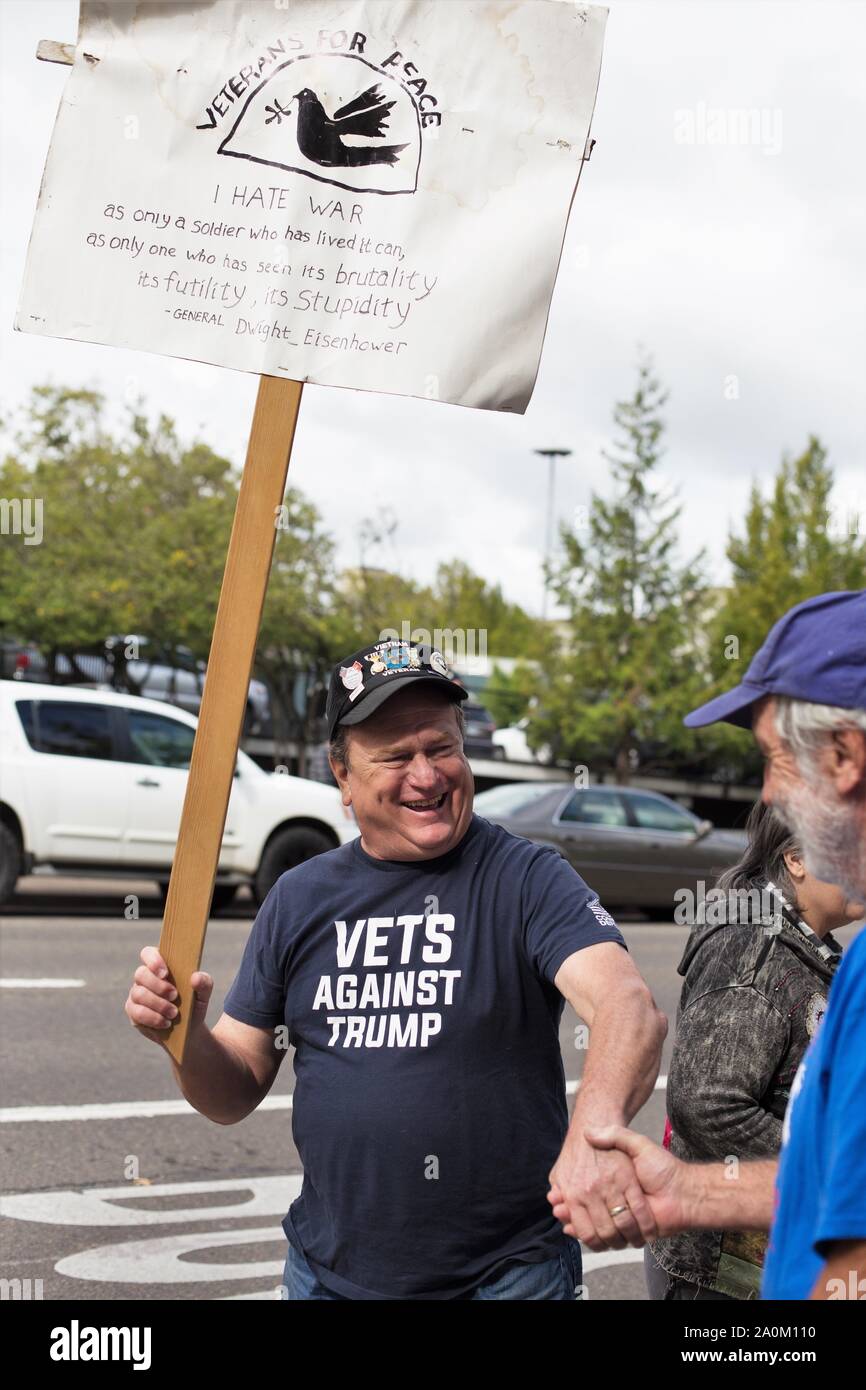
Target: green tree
136, 527
301, 632
470, 615
464, 601
793, 545
512, 695
624, 678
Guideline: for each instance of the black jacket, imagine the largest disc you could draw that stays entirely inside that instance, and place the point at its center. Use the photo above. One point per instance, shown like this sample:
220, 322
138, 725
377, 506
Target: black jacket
753, 996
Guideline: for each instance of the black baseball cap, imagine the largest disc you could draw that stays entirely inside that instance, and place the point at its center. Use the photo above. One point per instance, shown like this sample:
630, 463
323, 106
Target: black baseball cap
366, 679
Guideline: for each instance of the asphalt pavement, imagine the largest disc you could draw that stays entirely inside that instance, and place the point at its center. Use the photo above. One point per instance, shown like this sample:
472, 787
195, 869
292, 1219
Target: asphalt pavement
112, 1186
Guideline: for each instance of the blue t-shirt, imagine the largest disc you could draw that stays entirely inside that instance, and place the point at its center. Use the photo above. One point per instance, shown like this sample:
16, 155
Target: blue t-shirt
821, 1182
429, 1102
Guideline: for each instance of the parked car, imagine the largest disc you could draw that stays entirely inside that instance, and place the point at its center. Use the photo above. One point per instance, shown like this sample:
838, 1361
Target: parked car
515, 747
634, 848
93, 782
478, 734
176, 677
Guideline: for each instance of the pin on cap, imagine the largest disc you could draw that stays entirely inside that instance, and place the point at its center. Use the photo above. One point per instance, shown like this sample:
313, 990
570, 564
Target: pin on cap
367, 678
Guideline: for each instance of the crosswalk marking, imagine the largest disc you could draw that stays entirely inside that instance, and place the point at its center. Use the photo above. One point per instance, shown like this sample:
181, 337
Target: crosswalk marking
25, 982
116, 1110
151, 1109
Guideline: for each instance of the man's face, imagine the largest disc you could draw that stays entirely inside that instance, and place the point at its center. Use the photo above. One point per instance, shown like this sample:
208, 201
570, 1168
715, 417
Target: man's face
781, 773
821, 802
407, 781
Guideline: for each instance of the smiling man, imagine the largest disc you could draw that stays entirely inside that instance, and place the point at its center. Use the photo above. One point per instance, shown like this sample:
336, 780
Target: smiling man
420, 972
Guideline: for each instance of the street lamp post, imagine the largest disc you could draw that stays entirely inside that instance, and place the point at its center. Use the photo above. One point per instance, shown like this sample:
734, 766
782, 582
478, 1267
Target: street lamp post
551, 455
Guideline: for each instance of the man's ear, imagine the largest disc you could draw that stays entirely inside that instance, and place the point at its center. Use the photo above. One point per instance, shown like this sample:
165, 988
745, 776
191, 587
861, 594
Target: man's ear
846, 762
341, 773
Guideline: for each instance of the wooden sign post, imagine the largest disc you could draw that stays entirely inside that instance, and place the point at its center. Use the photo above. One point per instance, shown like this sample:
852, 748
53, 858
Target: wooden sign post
214, 753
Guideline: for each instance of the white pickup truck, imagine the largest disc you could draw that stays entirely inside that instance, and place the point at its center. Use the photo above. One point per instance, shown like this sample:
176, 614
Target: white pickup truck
92, 782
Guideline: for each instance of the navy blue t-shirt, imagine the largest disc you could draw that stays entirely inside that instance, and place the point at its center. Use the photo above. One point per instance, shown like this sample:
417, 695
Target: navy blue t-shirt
429, 1102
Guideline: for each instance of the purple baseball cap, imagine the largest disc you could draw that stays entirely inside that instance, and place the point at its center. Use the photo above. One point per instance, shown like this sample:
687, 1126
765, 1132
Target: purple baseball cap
816, 652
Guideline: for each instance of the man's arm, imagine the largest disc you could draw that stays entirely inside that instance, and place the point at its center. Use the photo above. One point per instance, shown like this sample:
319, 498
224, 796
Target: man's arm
229, 1069
717, 1196
226, 1070
844, 1274
606, 990
695, 1196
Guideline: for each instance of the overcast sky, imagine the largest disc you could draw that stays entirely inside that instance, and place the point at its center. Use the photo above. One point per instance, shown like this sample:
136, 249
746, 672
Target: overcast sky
741, 259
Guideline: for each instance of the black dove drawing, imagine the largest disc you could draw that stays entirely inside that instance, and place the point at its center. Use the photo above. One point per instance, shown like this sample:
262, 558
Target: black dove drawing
320, 137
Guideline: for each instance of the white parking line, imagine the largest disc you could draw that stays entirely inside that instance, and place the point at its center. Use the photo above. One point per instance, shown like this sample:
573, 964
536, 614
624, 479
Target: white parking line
25, 983
603, 1258
166, 1259
139, 1206
661, 1084
116, 1110
188, 1257
150, 1109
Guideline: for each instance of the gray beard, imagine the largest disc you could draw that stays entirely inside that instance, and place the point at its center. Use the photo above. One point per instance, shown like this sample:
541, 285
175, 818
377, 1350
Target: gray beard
833, 847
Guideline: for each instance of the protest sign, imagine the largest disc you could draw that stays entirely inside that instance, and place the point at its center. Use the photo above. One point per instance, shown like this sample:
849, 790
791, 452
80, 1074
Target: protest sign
371, 195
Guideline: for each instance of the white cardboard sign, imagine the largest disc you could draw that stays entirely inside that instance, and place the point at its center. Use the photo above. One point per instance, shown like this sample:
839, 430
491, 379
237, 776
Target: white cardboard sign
370, 194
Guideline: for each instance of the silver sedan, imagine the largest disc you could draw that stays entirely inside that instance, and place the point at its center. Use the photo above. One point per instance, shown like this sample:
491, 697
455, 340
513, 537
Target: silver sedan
634, 848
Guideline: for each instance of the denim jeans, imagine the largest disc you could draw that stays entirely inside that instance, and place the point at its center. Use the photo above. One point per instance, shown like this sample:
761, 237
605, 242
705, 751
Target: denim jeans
556, 1278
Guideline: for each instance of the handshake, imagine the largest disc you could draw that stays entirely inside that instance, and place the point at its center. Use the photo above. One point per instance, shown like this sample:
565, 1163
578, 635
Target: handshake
612, 1188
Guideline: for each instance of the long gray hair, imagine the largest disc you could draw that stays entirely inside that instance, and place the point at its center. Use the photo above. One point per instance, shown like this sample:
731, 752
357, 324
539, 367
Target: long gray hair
763, 861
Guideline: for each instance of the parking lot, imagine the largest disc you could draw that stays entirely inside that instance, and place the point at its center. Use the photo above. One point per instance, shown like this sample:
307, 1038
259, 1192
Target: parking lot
118, 1188
114, 1188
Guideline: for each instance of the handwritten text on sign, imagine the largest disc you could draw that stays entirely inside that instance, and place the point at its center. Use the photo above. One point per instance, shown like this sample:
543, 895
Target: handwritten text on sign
370, 195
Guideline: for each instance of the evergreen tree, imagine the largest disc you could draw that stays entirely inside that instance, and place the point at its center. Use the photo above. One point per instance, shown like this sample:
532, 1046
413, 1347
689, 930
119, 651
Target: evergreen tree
625, 675
793, 545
